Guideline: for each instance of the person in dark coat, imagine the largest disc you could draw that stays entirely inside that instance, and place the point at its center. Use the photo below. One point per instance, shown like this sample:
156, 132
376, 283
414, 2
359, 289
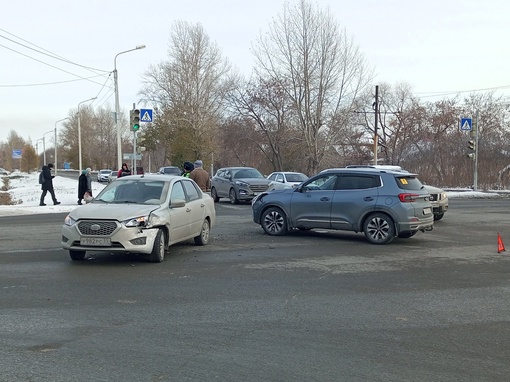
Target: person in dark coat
188, 167
48, 185
83, 186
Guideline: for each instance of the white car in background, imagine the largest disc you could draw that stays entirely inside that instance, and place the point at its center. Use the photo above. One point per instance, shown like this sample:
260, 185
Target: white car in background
3, 171
286, 179
103, 175
439, 200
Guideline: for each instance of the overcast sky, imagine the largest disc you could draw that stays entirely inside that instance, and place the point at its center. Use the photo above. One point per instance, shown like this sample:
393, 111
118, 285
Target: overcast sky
436, 46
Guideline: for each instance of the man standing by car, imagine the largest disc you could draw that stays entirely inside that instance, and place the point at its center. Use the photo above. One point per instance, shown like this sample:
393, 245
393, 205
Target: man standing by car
47, 185
201, 177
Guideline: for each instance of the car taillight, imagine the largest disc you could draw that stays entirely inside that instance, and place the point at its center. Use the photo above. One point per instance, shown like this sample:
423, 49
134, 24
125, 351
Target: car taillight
408, 198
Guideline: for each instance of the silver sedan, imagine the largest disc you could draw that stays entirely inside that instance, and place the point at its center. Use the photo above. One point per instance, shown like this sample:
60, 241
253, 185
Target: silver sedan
140, 214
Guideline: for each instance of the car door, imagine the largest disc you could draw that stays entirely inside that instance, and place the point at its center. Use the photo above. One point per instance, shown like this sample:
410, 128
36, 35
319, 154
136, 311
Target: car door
195, 207
223, 183
180, 225
311, 204
355, 195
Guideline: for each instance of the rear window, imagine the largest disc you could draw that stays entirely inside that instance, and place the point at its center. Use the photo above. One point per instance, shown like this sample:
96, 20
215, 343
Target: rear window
409, 183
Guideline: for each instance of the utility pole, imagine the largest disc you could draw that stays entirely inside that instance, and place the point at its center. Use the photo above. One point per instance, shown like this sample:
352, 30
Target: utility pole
475, 171
376, 113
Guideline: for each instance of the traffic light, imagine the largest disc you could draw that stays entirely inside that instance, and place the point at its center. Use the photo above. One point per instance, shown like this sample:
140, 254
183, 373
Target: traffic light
472, 147
134, 120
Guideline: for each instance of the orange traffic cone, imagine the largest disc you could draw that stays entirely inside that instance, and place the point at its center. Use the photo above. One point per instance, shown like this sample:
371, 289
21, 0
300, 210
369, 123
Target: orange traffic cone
501, 246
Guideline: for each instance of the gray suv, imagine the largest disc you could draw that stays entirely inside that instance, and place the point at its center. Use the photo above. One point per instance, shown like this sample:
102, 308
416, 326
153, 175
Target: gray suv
383, 204
238, 184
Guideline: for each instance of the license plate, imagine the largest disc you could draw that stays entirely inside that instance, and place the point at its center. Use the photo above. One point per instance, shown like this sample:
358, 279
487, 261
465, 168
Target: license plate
427, 211
96, 241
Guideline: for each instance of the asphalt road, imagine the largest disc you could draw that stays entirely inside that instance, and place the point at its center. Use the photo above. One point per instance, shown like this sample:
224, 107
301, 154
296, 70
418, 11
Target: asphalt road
310, 306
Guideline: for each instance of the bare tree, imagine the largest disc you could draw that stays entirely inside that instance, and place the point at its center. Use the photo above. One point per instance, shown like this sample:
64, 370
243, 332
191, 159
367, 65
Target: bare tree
319, 68
189, 90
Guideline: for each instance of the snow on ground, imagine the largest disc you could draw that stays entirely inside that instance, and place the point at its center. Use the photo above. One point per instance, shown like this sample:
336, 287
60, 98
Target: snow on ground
26, 191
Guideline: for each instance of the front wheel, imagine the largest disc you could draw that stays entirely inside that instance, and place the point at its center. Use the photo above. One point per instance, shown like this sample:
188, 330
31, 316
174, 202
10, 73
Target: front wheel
76, 255
203, 238
214, 195
379, 229
158, 250
274, 222
233, 196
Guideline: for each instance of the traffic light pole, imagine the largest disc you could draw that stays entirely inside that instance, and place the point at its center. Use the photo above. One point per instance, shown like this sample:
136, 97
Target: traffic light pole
475, 171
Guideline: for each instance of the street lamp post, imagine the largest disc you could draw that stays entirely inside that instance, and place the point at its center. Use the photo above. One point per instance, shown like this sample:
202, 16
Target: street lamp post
56, 162
79, 131
117, 111
37, 149
44, 145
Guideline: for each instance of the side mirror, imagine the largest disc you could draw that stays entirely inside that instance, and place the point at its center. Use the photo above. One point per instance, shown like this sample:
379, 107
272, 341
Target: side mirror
177, 203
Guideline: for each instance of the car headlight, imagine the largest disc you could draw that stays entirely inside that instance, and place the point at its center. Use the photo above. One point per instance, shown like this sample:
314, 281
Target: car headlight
69, 220
442, 196
141, 221
242, 184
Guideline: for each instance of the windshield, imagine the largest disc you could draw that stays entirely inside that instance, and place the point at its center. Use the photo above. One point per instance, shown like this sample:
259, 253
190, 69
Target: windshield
296, 177
247, 173
134, 191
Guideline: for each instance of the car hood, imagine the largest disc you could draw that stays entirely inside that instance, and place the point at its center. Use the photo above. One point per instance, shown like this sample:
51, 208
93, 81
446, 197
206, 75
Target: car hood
111, 211
258, 181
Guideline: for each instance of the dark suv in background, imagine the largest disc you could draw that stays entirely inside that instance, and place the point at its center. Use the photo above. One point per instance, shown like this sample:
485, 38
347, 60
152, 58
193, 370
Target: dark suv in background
238, 184
383, 204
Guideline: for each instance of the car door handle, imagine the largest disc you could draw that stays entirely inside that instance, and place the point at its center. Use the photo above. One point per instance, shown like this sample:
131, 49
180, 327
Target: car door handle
324, 199
188, 209
368, 198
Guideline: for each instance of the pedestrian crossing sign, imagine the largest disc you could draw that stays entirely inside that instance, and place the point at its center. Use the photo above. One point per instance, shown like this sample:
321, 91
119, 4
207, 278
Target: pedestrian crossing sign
466, 124
145, 115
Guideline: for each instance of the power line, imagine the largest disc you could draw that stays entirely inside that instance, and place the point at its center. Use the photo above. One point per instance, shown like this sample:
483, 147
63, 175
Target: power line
52, 66
49, 54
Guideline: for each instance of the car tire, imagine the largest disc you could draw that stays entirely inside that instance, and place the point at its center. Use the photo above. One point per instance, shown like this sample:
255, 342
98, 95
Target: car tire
203, 238
274, 221
438, 216
233, 196
76, 255
158, 250
214, 195
379, 228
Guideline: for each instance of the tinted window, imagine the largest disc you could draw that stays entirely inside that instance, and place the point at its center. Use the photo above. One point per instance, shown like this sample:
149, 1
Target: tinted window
272, 177
357, 182
191, 190
408, 182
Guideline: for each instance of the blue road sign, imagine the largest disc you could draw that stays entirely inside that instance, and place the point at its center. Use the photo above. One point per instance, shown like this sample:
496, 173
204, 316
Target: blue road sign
145, 115
466, 124
16, 154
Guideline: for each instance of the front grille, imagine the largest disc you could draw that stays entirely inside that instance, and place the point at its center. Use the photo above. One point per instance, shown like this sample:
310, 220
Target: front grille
96, 228
259, 188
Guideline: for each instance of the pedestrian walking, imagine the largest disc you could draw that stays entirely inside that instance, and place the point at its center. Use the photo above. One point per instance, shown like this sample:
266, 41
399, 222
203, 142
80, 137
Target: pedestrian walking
47, 185
82, 186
